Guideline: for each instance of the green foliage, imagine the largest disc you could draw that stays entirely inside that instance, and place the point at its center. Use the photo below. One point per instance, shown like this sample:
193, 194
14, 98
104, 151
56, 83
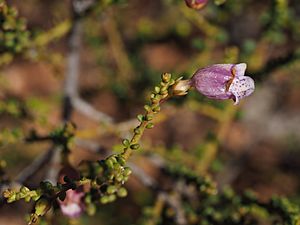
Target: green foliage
14, 36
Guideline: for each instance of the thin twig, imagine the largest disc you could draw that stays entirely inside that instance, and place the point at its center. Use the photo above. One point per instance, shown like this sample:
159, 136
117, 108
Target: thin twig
35, 166
88, 110
118, 48
71, 95
91, 146
147, 180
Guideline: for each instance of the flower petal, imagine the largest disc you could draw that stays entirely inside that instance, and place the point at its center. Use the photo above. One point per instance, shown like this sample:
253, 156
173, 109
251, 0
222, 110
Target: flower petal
72, 210
241, 87
240, 69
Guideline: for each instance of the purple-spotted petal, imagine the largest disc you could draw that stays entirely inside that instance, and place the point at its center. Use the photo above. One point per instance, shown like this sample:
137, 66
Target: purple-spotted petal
241, 87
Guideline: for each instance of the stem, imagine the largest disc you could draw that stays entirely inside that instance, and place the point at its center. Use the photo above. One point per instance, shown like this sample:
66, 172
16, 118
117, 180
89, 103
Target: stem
161, 94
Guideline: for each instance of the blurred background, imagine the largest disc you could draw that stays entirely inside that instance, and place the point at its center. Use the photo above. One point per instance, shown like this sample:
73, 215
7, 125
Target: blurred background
123, 50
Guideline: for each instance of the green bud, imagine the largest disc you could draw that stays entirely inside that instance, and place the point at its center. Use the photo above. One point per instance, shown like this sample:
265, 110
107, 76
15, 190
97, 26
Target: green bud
46, 185
157, 98
42, 206
156, 89
112, 198
150, 126
155, 101
119, 177
27, 198
111, 189
35, 197
122, 192
24, 190
166, 77
117, 167
109, 163
125, 179
104, 199
135, 146
127, 171
122, 160
113, 159
110, 176
164, 93
164, 88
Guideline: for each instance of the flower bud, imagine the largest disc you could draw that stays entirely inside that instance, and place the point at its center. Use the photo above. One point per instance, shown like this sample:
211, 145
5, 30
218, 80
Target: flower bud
42, 206
223, 81
181, 87
122, 192
166, 77
196, 4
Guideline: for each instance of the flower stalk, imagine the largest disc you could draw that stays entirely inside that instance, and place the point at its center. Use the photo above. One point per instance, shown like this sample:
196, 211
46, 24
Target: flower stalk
160, 94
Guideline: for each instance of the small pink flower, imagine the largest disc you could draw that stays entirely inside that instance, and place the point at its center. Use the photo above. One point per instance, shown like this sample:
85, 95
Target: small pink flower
223, 81
73, 205
196, 4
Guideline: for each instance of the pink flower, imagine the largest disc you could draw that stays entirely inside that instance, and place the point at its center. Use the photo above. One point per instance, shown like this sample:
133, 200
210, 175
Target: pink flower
73, 205
223, 81
196, 4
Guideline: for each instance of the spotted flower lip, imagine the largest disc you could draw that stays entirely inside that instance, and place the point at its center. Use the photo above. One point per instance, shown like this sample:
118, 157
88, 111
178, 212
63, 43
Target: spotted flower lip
224, 81
196, 4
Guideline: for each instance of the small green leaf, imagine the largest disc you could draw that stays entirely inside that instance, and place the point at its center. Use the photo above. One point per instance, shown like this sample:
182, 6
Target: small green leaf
147, 108
140, 117
135, 146
137, 130
150, 126
149, 117
126, 142
156, 109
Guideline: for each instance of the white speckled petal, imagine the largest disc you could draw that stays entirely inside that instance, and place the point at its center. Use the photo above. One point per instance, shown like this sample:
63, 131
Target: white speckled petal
240, 69
241, 87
